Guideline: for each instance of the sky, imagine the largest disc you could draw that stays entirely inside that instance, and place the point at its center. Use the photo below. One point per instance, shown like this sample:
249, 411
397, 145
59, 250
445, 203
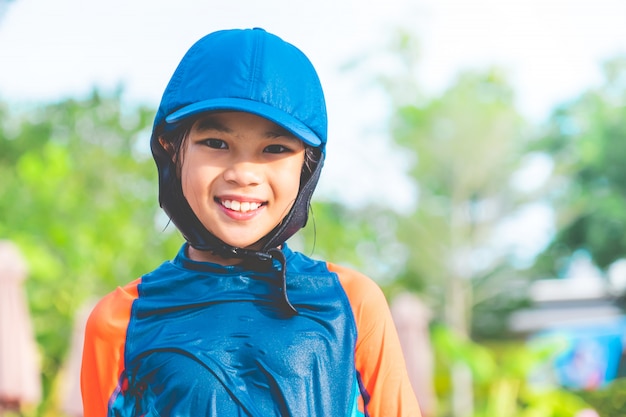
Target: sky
551, 50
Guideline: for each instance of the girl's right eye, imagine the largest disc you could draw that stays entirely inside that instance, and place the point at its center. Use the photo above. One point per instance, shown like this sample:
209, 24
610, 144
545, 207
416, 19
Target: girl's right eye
215, 143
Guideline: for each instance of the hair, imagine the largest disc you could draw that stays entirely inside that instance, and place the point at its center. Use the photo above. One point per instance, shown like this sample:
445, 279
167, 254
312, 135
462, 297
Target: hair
174, 140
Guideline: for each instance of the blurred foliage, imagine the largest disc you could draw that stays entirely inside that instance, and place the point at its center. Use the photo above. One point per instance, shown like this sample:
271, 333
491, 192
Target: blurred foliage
609, 401
466, 145
502, 376
364, 239
586, 139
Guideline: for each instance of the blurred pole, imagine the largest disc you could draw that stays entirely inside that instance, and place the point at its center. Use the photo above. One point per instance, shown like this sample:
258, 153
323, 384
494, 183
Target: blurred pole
412, 319
20, 378
71, 399
462, 391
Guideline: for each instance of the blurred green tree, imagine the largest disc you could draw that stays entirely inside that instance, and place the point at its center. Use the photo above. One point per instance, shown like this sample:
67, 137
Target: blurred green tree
466, 144
363, 238
587, 141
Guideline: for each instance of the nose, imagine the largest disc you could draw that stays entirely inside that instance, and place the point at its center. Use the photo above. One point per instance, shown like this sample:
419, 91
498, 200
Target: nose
243, 173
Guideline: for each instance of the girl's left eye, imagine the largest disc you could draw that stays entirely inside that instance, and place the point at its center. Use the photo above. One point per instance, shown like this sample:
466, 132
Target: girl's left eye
215, 143
276, 149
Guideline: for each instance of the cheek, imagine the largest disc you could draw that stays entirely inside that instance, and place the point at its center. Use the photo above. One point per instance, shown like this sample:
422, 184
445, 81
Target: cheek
290, 179
189, 178
187, 185
198, 179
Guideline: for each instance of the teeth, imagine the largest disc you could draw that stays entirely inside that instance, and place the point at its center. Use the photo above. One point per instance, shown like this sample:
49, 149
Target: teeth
243, 207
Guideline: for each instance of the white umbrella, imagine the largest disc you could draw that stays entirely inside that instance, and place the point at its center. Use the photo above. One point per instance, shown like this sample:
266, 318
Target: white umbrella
20, 379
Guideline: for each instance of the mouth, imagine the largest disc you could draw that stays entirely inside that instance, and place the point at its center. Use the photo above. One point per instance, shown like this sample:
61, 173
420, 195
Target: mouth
240, 206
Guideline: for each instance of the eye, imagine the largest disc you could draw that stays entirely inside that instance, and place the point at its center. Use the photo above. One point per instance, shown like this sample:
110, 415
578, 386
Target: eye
276, 149
215, 143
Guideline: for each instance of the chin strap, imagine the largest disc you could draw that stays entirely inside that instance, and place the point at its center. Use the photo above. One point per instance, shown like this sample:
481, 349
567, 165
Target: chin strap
269, 255
277, 254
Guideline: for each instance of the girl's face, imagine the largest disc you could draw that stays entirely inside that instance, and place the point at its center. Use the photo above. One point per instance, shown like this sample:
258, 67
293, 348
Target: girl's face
240, 174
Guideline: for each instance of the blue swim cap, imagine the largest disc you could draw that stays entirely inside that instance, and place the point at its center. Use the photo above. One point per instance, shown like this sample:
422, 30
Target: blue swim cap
253, 71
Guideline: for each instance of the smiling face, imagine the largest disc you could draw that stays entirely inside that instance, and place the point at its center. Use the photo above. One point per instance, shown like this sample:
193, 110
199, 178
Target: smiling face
240, 174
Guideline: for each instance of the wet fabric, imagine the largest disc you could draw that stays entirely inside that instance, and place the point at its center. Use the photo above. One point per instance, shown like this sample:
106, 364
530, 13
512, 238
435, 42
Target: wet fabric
213, 336
199, 339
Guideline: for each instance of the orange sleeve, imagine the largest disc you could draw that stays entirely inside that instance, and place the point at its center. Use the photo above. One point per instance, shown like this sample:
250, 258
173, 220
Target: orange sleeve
378, 356
103, 351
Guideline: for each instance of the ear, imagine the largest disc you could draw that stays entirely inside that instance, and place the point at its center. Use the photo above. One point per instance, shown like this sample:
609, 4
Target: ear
169, 148
171, 151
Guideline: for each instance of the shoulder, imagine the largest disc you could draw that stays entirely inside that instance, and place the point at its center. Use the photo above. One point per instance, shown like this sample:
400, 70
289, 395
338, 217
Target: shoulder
367, 300
112, 313
378, 358
103, 348
358, 286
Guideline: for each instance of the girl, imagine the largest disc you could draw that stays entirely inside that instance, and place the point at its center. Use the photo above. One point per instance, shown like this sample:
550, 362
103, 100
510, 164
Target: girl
238, 324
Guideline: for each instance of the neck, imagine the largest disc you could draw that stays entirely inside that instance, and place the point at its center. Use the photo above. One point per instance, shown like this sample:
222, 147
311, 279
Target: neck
208, 256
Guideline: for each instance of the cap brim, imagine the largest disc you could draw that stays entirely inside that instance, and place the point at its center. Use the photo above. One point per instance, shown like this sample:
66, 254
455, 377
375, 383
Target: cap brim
273, 114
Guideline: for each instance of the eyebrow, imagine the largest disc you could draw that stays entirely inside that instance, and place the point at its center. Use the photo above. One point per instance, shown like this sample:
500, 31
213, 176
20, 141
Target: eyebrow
280, 132
212, 123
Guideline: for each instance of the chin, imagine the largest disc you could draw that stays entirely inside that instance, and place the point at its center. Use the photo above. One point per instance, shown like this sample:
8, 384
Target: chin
243, 244
245, 241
